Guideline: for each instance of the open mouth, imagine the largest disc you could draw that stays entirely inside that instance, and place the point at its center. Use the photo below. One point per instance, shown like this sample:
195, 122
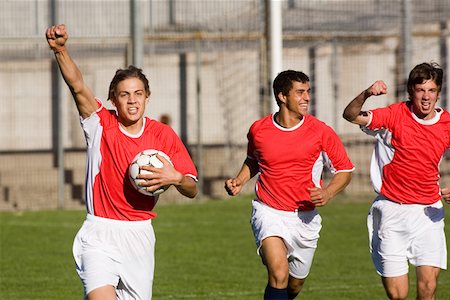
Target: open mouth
426, 105
132, 110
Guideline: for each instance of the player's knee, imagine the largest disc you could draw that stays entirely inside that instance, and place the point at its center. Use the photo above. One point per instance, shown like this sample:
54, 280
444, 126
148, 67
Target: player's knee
397, 294
278, 278
426, 289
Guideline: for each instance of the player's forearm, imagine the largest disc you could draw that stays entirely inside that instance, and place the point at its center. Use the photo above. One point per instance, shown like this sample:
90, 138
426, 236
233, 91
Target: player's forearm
82, 95
187, 187
249, 169
69, 70
338, 183
354, 107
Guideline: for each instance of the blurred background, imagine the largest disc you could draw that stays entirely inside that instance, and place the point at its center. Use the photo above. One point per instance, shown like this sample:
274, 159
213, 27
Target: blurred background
210, 66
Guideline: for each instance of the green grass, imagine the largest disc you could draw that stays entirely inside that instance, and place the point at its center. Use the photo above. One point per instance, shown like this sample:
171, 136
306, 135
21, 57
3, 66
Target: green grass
203, 251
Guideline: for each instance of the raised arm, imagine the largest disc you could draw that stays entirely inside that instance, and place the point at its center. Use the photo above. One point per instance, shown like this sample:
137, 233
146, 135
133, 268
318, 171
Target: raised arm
84, 98
353, 112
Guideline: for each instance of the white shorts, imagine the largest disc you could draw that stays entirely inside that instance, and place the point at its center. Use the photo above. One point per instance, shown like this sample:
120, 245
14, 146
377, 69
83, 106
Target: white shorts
299, 231
117, 253
399, 233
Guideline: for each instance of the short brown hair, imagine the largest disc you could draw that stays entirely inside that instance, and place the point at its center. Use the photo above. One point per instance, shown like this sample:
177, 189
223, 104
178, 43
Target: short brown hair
122, 74
283, 82
423, 72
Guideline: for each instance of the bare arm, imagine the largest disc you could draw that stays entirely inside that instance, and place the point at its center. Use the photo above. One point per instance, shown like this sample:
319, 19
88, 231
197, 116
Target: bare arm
187, 187
353, 112
445, 192
84, 99
250, 168
168, 175
321, 196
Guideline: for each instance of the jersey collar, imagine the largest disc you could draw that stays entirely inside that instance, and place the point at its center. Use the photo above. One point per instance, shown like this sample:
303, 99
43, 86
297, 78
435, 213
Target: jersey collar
277, 125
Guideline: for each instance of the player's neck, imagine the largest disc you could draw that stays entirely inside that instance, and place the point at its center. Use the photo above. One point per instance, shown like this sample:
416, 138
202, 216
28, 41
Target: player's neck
132, 128
286, 120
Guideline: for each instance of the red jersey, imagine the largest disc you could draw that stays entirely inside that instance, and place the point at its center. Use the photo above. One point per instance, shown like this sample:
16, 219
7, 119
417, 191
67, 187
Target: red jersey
110, 150
409, 153
292, 160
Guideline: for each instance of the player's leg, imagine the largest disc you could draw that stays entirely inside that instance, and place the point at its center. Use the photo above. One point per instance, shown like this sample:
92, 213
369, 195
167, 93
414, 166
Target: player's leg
294, 287
396, 287
429, 249
107, 292
389, 239
427, 277
138, 262
274, 256
304, 237
94, 264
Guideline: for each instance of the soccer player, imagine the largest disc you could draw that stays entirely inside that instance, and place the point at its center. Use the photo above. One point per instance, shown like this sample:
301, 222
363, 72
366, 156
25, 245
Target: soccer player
289, 150
406, 219
114, 249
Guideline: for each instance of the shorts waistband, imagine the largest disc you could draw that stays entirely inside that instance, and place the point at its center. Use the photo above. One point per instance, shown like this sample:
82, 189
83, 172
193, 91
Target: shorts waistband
285, 212
114, 222
380, 197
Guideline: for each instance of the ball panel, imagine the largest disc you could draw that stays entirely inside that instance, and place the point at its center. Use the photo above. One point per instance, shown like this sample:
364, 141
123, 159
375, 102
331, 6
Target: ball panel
143, 160
155, 162
146, 157
134, 170
150, 152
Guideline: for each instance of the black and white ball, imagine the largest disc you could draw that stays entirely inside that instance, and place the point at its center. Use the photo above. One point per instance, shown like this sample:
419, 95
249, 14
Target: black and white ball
146, 157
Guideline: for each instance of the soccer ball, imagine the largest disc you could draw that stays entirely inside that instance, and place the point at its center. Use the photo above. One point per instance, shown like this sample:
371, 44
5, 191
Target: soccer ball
146, 157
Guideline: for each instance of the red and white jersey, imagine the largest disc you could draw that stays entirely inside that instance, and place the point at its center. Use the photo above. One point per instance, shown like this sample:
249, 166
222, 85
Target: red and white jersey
110, 150
405, 162
291, 160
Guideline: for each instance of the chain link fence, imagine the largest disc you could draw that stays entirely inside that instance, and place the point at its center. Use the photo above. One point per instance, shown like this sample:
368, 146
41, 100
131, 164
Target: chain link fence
207, 65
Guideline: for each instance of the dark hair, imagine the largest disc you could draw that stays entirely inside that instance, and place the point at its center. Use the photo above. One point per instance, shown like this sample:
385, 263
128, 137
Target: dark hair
122, 74
423, 72
283, 82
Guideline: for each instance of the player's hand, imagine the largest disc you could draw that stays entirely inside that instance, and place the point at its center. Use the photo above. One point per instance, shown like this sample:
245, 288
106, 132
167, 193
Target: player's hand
319, 196
445, 192
378, 88
159, 177
233, 186
56, 37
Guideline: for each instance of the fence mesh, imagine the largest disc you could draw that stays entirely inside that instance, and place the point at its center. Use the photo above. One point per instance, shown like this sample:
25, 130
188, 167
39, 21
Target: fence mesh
207, 65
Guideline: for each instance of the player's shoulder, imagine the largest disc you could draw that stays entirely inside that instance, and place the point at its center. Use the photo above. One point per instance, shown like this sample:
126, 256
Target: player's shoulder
107, 116
445, 113
159, 131
260, 123
156, 125
312, 121
402, 105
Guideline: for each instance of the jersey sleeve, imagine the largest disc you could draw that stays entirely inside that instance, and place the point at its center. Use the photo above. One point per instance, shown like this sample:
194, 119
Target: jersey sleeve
251, 149
90, 125
381, 118
178, 153
337, 158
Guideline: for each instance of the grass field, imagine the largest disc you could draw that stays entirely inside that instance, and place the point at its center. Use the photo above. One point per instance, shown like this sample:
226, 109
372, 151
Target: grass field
204, 251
